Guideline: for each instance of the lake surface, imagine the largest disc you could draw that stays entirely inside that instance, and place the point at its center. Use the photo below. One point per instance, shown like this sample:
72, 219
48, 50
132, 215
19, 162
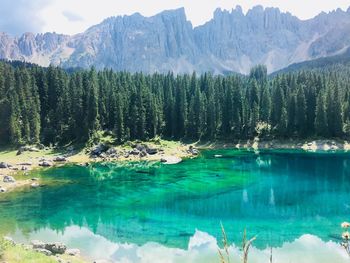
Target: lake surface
292, 201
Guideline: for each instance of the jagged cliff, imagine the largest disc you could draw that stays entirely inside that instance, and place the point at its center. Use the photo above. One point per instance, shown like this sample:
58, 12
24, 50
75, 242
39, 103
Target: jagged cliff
231, 41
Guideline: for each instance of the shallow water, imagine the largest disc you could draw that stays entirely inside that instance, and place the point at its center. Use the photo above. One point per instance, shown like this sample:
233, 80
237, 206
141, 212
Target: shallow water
284, 197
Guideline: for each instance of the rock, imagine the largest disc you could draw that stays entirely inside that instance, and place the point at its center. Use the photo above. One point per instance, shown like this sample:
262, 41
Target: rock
217, 155
43, 251
134, 152
56, 248
3, 190
4, 165
35, 185
99, 149
34, 179
45, 164
143, 153
37, 244
24, 168
193, 151
111, 151
140, 147
8, 179
151, 151
60, 159
73, 252
171, 160
26, 164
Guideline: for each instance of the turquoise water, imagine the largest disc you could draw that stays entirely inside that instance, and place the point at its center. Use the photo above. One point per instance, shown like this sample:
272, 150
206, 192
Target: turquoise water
277, 195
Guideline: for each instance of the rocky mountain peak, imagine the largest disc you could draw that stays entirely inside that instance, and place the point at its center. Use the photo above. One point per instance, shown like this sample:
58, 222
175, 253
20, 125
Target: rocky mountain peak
230, 41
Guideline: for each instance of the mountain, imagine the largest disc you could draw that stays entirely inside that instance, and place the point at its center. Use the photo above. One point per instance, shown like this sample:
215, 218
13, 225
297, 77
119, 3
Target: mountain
319, 63
231, 42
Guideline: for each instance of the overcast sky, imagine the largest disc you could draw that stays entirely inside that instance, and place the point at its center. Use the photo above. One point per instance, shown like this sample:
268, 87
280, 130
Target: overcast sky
75, 16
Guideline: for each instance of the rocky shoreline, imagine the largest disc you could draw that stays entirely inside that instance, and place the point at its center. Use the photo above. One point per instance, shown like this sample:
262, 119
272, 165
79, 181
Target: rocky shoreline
55, 250
136, 152
23, 162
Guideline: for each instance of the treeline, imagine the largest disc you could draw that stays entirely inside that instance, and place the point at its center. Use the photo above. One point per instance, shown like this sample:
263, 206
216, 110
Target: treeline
49, 105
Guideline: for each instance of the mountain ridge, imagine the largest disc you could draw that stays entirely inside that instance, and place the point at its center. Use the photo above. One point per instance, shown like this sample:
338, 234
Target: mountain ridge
230, 42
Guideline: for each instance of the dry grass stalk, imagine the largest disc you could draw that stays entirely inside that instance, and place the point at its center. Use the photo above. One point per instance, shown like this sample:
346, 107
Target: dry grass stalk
246, 244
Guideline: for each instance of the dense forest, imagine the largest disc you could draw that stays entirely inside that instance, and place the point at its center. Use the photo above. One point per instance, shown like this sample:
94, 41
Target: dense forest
51, 105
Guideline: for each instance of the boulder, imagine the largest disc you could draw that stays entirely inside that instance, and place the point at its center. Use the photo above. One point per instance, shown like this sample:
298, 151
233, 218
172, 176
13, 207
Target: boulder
9, 179
140, 147
44, 251
45, 164
193, 151
151, 151
4, 165
56, 248
60, 159
143, 153
111, 151
35, 185
73, 252
37, 244
99, 149
134, 152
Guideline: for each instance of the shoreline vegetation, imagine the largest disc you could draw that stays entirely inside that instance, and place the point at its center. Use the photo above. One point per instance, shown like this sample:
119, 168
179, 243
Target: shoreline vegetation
17, 169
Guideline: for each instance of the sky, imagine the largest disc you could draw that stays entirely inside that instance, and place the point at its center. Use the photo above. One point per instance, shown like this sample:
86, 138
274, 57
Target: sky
75, 16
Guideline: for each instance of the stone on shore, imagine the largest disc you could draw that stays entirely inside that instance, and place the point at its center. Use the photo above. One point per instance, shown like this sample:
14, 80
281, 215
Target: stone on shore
3, 190
45, 164
4, 165
56, 247
60, 159
9, 179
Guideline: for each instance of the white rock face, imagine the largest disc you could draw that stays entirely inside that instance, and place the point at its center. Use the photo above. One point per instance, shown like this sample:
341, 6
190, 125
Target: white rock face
231, 41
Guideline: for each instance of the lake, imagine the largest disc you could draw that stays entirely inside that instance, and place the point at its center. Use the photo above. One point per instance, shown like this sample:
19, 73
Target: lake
293, 201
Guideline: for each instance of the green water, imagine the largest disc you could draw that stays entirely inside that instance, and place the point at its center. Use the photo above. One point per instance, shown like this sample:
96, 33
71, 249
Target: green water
277, 195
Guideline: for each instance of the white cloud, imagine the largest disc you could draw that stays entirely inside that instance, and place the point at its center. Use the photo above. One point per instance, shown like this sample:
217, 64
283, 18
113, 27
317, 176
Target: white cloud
75, 16
17, 17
